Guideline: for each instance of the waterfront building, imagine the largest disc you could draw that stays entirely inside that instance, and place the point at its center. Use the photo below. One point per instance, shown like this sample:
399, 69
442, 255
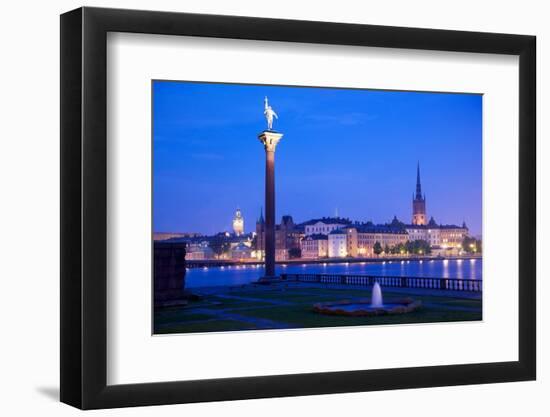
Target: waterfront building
358, 239
242, 252
281, 255
444, 252
428, 232
444, 236
438, 235
324, 225
419, 202
314, 246
337, 244
337, 237
159, 236
452, 236
352, 241
199, 251
238, 223
364, 236
287, 236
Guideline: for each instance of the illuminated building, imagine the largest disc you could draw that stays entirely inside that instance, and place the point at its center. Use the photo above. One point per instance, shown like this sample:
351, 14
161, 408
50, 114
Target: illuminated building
324, 225
238, 223
198, 251
452, 236
361, 238
241, 252
438, 235
287, 236
158, 236
337, 244
314, 246
419, 202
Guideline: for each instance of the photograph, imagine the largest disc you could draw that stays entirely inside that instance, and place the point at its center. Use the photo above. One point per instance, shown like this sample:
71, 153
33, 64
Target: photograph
291, 207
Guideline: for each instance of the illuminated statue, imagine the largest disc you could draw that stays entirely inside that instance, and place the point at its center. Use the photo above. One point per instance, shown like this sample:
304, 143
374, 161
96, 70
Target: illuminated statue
269, 113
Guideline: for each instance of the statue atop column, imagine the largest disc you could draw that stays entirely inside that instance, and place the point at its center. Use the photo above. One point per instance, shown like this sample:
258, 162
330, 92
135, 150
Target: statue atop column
269, 113
269, 138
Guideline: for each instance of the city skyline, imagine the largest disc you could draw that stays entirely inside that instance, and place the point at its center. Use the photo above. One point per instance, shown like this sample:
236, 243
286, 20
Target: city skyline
354, 151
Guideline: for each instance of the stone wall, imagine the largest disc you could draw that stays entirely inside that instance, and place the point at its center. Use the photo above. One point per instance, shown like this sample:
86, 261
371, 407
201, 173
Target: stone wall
169, 274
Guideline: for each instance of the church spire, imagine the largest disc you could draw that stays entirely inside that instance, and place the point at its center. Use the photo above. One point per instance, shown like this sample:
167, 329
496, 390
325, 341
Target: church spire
261, 219
419, 202
418, 186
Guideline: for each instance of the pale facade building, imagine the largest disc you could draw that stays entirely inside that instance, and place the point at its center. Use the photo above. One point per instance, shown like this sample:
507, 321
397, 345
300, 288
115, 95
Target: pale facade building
451, 236
314, 246
199, 251
428, 232
337, 244
368, 235
325, 225
444, 236
358, 240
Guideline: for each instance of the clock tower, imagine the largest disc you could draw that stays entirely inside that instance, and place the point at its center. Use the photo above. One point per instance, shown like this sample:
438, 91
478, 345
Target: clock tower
238, 223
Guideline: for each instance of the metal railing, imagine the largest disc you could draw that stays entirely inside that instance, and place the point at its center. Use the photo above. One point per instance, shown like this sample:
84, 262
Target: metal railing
454, 284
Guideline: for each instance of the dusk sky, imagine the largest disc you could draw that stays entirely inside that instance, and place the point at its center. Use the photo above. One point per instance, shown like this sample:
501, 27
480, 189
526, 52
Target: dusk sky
354, 151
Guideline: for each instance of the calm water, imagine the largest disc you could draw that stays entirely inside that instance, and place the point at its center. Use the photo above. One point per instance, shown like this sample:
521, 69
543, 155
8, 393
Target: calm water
454, 268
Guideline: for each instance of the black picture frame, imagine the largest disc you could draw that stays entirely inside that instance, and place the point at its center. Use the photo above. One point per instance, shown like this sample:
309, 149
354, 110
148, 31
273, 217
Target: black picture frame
84, 207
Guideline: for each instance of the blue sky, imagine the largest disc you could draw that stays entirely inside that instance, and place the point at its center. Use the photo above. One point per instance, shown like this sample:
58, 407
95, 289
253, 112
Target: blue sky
354, 151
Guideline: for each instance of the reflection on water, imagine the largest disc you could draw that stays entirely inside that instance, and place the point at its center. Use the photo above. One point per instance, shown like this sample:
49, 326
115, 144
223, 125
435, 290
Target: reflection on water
236, 275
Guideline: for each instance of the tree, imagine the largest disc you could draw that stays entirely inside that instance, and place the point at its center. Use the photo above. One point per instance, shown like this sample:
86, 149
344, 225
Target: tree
377, 248
471, 245
386, 249
400, 249
421, 247
294, 253
425, 247
219, 245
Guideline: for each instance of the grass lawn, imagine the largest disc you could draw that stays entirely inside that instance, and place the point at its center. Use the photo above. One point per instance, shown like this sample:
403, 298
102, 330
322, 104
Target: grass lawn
207, 326
243, 308
303, 316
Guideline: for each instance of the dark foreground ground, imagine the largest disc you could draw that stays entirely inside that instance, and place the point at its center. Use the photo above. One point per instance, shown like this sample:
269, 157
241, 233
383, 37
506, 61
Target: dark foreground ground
287, 306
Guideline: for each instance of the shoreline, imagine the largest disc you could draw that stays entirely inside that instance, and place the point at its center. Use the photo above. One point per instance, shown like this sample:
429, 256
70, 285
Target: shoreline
191, 264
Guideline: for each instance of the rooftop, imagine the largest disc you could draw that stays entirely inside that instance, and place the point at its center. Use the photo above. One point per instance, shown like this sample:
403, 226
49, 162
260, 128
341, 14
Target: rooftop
317, 236
328, 220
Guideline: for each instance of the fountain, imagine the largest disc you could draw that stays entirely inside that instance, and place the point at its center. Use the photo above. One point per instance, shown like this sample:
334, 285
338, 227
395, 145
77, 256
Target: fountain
373, 307
376, 301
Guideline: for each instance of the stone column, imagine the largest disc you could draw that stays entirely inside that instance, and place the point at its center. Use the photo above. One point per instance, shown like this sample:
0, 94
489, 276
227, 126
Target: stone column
269, 139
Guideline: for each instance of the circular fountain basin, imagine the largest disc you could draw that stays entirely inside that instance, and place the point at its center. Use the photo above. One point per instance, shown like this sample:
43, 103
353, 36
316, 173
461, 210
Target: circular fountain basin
365, 308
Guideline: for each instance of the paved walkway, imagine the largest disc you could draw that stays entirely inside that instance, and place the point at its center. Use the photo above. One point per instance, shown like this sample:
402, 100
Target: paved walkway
254, 322
255, 300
